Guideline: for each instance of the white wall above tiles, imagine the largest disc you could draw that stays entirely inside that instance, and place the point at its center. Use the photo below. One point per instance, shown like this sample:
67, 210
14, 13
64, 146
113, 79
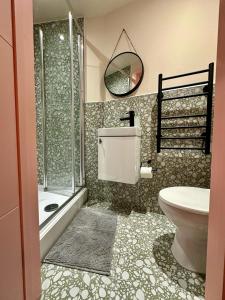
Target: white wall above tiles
51, 10
171, 37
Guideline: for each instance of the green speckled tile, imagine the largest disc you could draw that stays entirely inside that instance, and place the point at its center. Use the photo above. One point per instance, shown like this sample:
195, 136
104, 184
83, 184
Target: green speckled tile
170, 164
143, 267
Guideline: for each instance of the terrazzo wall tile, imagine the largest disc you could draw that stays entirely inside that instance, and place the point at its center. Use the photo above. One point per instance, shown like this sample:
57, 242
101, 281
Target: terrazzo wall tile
189, 168
57, 67
93, 120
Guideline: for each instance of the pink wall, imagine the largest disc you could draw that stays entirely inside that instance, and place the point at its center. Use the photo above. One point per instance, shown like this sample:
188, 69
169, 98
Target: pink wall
216, 239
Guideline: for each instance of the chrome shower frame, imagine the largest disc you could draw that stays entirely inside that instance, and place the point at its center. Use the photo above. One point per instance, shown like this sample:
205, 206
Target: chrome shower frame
43, 106
80, 43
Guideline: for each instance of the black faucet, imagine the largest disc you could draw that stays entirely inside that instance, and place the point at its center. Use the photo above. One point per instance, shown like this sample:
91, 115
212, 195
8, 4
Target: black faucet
131, 115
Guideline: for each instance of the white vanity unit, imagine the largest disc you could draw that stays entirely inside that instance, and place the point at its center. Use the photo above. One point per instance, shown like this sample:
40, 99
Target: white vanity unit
119, 154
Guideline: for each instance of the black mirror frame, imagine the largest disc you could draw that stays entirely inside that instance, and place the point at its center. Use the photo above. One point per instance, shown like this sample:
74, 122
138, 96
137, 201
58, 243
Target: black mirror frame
140, 81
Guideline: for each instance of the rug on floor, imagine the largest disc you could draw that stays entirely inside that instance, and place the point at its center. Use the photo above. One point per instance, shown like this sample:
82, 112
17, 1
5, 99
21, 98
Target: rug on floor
87, 242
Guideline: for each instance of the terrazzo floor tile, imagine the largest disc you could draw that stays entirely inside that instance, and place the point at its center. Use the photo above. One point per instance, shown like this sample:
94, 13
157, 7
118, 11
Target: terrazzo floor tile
143, 267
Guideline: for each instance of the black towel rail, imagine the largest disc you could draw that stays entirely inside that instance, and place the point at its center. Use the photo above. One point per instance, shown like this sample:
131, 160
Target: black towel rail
184, 97
184, 86
207, 92
182, 148
183, 117
183, 127
186, 74
183, 137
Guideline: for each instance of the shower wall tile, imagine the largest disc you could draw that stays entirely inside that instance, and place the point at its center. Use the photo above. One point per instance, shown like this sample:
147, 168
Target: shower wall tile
189, 168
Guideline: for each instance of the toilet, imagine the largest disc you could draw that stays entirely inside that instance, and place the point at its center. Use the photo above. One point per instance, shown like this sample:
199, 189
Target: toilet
188, 209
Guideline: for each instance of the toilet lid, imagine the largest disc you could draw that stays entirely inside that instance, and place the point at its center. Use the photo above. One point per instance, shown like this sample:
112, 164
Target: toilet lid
187, 198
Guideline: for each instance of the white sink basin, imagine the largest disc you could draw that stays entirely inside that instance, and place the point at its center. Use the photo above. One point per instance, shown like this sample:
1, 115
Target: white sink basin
119, 154
119, 131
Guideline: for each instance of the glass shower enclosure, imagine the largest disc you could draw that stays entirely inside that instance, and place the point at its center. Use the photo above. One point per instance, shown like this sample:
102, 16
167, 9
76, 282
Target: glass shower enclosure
58, 48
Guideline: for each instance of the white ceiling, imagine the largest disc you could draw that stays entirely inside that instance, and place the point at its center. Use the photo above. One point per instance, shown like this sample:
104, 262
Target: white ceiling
49, 10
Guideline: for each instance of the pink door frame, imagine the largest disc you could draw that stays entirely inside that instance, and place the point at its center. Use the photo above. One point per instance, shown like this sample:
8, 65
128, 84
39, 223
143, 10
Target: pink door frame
25, 107
22, 16
216, 236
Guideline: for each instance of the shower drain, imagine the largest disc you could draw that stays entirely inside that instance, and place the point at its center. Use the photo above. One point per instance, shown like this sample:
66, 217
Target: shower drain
51, 207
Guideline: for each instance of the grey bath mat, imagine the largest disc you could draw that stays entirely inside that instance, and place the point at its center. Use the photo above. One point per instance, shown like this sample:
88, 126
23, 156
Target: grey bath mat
87, 242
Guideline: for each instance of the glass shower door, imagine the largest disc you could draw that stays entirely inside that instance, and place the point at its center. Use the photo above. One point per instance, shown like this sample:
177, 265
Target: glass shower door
58, 131
58, 75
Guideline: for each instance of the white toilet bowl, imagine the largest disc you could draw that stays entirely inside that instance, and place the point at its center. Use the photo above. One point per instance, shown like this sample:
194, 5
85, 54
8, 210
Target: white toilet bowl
188, 208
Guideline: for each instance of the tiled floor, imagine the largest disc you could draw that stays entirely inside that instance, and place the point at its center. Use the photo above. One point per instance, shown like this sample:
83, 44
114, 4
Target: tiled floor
143, 267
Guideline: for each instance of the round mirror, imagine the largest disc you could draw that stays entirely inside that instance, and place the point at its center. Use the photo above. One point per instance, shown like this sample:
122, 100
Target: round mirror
124, 74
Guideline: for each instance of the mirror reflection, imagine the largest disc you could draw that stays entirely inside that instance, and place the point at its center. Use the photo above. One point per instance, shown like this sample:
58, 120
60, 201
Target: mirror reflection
124, 74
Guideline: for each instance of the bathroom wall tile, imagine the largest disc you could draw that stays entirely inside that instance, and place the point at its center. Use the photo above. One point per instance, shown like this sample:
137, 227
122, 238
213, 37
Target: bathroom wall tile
93, 121
188, 168
121, 196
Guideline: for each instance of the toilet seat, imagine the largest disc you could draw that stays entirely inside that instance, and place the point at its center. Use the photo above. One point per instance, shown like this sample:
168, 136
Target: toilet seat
191, 199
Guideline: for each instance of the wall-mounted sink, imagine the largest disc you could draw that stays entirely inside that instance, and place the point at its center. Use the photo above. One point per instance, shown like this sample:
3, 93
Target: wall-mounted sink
120, 131
119, 154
